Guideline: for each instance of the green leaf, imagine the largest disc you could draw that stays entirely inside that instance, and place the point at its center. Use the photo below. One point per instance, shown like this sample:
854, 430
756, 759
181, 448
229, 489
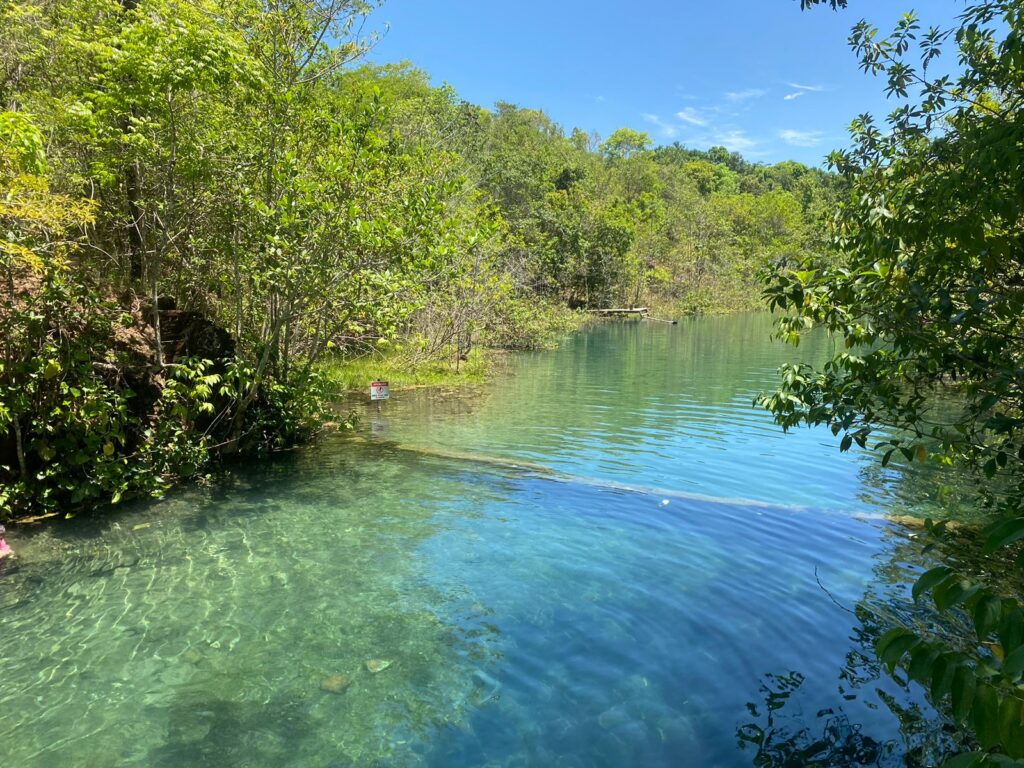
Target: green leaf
1003, 534
894, 644
966, 760
1002, 760
985, 613
985, 715
1011, 630
962, 692
1011, 732
929, 579
943, 672
922, 660
952, 592
1013, 666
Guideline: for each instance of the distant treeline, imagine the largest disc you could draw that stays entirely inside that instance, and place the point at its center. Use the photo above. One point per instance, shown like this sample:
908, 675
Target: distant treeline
589, 222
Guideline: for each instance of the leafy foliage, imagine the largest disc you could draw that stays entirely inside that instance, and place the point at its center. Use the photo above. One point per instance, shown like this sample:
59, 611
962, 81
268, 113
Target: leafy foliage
927, 303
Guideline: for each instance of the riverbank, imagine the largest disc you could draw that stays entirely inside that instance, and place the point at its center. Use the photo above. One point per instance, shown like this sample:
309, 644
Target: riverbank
404, 366
197, 406
401, 372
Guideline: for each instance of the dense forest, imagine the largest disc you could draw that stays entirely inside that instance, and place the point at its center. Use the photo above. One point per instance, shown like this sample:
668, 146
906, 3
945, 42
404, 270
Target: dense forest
205, 202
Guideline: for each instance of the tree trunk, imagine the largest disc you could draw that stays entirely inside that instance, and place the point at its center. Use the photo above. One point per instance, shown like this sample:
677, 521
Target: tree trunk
136, 242
20, 448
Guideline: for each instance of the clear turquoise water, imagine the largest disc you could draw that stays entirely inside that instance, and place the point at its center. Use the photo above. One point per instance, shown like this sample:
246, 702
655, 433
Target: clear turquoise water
604, 557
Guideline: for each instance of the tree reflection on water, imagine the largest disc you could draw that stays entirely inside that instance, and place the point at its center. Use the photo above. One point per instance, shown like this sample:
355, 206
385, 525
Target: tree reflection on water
832, 740
784, 735
839, 743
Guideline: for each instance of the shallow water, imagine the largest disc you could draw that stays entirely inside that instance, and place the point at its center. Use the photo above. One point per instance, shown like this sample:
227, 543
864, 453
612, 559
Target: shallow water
603, 558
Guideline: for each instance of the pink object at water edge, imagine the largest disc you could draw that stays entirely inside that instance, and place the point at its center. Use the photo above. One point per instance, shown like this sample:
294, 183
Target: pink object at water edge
5, 549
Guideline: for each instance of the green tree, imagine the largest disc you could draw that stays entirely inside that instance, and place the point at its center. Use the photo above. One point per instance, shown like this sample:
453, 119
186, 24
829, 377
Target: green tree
927, 301
223, 160
625, 143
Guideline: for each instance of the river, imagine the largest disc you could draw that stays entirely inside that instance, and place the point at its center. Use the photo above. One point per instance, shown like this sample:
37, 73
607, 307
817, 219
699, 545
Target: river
603, 557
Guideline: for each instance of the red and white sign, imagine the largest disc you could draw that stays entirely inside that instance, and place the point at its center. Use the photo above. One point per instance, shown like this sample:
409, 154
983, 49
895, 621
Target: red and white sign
379, 390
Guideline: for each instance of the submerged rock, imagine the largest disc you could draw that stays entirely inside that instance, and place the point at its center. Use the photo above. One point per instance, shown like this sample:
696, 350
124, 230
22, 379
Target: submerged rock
489, 687
190, 730
377, 665
335, 683
613, 717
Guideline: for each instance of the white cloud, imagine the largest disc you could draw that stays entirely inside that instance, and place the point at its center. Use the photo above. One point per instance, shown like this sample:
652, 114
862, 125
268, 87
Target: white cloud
666, 129
750, 93
735, 140
692, 116
799, 87
801, 138
802, 90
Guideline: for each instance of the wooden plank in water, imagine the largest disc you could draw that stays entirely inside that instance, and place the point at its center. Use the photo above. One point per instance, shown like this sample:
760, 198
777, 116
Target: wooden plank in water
611, 311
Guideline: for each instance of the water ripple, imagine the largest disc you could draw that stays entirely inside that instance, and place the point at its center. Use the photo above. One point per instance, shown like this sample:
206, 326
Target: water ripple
597, 561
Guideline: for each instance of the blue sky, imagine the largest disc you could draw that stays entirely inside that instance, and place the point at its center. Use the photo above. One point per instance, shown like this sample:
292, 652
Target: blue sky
757, 76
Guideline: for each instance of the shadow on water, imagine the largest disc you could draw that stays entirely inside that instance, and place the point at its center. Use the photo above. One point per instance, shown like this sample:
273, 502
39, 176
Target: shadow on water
227, 733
